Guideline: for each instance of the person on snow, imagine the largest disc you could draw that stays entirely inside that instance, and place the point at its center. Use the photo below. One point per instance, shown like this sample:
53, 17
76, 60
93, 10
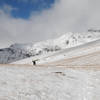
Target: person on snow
34, 61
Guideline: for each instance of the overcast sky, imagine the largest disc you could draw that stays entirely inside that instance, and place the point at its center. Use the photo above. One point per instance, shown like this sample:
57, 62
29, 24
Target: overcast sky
23, 21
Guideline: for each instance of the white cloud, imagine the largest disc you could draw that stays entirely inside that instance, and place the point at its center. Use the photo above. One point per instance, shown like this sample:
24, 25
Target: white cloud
64, 16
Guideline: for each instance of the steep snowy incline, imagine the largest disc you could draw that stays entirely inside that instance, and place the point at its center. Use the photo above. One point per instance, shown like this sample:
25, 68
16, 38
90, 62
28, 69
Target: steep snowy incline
86, 54
62, 57
20, 51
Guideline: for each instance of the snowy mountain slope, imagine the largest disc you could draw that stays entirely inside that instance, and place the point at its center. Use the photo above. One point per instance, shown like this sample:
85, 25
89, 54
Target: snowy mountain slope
61, 57
91, 60
88, 49
48, 83
20, 51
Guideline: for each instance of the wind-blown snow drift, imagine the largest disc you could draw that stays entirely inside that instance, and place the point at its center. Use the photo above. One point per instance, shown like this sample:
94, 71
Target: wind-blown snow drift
20, 51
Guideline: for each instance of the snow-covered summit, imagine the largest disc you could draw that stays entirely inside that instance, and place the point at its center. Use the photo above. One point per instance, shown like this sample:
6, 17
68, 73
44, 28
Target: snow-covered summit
20, 51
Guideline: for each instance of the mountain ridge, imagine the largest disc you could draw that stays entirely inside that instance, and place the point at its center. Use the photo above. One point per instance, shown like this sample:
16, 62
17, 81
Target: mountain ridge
20, 51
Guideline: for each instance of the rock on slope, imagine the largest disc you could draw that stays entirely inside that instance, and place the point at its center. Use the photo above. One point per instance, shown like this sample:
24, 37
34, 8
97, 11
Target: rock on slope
20, 51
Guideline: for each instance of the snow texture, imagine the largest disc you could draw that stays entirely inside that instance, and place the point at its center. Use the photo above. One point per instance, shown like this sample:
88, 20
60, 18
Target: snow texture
48, 83
89, 52
20, 51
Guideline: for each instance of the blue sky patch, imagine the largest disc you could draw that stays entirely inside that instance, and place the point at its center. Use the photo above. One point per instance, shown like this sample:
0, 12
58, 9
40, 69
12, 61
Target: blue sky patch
24, 8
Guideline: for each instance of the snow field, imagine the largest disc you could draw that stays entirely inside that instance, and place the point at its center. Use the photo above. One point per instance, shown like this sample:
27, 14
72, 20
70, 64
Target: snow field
48, 83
